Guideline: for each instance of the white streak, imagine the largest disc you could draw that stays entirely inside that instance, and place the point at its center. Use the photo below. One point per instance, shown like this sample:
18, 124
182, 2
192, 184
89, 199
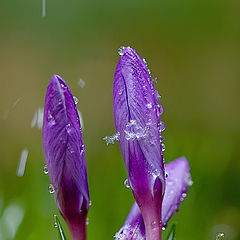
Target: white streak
81, 83
43, 8
40, 118
81, 119
22, 163
34, 120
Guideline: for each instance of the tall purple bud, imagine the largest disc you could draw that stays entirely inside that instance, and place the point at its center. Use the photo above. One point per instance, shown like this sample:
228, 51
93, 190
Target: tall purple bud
137, 120
64, 153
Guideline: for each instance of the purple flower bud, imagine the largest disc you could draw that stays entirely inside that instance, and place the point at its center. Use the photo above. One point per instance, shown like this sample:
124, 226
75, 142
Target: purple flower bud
137, 120
64, 153
177, 182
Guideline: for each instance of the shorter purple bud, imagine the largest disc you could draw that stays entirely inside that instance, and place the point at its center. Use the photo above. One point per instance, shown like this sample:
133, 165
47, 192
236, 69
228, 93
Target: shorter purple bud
65, 158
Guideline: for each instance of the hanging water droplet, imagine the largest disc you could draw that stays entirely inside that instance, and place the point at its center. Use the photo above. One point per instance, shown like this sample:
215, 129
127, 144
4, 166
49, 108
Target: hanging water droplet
126, 183
63, 86
163, 147
51, 189
161, 138
55, 224
87, 221
144, 60
45, 170
162, 126
219, 236
83, 148
166, 175
121, 50
163, 228
160, 109
75, 100
90, 203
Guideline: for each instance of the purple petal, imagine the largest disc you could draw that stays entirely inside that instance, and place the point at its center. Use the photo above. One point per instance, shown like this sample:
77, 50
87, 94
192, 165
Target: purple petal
64, 152
177, 183
137, 119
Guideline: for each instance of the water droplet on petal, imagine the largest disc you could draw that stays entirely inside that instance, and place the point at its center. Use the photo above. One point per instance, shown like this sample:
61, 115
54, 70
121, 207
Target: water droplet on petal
121, 50
154, 224
162, 126
149, 105
45, 170
90, 203
126, 183
83, 148
87, 221
75, 100
163, 228
51, 189
161, 138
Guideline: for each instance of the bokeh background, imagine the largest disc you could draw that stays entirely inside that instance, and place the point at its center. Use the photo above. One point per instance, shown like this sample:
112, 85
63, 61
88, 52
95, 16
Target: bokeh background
193, 49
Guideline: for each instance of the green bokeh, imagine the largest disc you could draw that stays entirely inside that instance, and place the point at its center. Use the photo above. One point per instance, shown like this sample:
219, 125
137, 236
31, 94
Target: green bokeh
193, 49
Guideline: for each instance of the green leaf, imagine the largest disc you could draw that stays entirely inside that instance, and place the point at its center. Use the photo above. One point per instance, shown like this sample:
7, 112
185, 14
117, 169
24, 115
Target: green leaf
171, 235
57, 224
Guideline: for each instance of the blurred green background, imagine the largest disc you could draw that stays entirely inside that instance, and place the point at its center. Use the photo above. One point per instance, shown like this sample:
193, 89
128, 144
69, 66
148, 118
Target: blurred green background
193, 49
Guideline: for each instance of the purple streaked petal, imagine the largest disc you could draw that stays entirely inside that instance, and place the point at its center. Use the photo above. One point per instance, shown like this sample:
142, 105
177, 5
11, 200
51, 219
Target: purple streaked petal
177, 183
64, 152
137, 119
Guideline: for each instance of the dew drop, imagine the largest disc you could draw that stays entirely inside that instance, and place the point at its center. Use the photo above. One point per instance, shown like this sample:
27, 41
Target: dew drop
161, 139
55, 224
75, 100
163, 147
162, 126
154, 224
45, 170
51, 189
166, 175
163, 228
87, 221
63, 86
126, 183
90, 203
149, 105
144, 60
219, 236
83, 148
155, 79
121, 50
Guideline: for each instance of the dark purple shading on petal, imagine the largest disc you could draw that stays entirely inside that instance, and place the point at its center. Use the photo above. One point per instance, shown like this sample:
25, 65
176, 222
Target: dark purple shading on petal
177, 183
64, 153
137, 119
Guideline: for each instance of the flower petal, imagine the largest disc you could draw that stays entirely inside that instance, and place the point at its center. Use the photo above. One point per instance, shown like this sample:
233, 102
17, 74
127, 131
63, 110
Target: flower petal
64, 151
137, 119
177, 182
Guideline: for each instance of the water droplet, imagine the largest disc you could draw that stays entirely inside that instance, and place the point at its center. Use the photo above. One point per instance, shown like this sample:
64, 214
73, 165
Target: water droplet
162, 126
63, 86
49, 116
188, 180
75, 100
166, 175
45, 170
112, 139
219, 236
155, 79
83, 148
126, 183
160, 109
149, 105
121, 50
163, 147
161, 138
55, 224
163, 228
154, 224
144, 60
87, 221
90, 203
51, 189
